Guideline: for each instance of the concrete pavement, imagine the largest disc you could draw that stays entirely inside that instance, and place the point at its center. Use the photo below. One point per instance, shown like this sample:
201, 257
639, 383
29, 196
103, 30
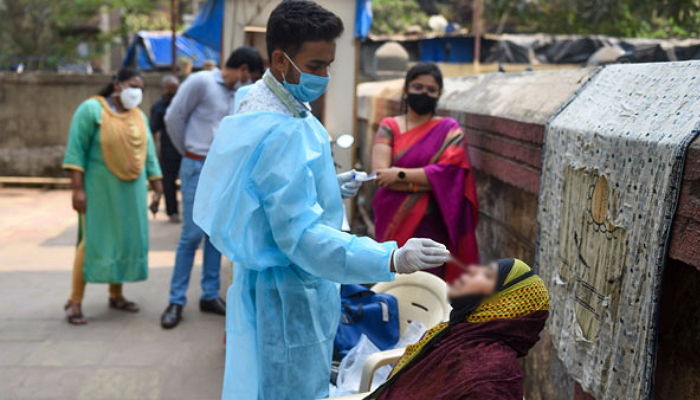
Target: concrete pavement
116, 355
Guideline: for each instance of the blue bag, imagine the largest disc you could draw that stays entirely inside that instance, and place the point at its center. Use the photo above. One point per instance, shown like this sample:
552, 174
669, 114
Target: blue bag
363, 311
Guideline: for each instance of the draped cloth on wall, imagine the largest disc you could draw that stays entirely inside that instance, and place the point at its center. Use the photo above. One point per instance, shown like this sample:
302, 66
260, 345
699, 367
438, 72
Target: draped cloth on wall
611, 172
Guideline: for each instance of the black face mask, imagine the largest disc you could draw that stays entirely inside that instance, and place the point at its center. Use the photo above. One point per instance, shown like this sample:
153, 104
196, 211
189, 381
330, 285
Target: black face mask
421, 103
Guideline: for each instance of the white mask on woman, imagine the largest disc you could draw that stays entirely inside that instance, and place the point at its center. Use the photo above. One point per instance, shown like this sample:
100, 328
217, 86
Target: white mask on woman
131, 97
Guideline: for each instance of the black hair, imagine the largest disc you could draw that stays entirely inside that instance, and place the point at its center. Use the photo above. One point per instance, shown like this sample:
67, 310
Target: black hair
245, 55
294, 22
122, 75
423, 68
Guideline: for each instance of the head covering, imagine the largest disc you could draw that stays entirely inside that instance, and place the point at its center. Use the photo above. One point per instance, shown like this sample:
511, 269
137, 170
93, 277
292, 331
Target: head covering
462, 306
504, 265
521, 293
520, 303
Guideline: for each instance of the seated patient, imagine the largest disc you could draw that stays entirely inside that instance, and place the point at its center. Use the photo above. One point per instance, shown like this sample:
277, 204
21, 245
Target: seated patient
498, 312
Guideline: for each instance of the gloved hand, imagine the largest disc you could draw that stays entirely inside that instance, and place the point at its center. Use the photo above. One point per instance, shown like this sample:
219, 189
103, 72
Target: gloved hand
419, 254
348, 185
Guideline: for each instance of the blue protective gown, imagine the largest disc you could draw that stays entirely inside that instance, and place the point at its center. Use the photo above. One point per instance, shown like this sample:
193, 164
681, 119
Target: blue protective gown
240, 95
269, 199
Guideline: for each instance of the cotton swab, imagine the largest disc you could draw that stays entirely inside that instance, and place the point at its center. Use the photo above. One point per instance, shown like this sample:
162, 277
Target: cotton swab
458, 263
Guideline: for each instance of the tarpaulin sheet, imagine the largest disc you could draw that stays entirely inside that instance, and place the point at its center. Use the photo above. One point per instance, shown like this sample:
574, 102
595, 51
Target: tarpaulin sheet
447, 49
207, 26
573, 49
612, 166
152, 50
363, 18
537, 48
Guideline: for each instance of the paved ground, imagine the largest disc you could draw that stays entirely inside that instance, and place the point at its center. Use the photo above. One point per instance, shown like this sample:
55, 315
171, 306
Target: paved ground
117, 355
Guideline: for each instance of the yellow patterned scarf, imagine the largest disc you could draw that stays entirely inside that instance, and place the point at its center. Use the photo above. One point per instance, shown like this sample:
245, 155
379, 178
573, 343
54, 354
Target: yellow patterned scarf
518, 300
123, 141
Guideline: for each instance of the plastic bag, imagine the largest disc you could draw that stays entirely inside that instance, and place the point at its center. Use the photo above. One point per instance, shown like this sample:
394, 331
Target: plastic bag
350, 370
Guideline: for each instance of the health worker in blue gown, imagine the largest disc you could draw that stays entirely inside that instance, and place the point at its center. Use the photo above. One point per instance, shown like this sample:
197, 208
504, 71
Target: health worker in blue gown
270, 200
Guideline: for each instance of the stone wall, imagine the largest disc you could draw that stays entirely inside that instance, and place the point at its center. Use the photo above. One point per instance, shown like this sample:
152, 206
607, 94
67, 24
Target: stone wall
35, 113
504, 116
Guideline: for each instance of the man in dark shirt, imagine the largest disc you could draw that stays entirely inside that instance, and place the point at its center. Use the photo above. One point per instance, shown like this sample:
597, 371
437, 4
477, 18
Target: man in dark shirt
169, 156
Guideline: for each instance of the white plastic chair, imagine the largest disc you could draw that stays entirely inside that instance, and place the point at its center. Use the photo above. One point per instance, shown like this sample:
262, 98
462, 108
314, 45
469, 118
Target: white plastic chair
350, 397
422, 297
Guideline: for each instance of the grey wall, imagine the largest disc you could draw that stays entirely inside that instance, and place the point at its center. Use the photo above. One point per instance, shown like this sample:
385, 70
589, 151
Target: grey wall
35, 113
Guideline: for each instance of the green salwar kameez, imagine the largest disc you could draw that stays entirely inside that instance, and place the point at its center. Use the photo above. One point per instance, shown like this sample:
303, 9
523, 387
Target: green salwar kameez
116, 221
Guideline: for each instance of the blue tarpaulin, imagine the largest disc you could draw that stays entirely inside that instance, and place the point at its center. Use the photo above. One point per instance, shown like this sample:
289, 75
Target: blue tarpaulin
152, 50
363, 18
447, 49
208, 24
200, 42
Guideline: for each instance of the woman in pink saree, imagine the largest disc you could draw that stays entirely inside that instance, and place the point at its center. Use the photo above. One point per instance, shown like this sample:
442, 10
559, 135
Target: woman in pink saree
426, 183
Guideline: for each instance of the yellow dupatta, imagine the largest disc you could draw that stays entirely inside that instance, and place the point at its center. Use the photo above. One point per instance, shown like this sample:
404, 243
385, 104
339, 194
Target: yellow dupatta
123, 141
518, 300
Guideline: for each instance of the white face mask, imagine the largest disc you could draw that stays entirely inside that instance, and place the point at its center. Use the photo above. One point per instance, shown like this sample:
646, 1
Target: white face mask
131, 97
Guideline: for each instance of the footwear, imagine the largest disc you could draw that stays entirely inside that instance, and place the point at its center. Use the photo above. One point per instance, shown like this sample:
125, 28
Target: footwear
122, 304
74, 315
216, 306
174, 219
171, 316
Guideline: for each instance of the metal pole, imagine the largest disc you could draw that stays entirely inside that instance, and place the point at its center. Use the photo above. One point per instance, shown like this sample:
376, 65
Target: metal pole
476, 28
173, 27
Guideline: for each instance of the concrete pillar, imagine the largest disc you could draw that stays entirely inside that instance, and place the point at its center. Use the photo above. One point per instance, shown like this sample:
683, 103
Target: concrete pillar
231, 30
338, 115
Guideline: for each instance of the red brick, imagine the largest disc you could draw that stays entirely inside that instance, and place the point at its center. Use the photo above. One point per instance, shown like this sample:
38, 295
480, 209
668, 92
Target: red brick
692, 161
512, 149
528, 132
512, 172
579, 394
689, 200
685, 241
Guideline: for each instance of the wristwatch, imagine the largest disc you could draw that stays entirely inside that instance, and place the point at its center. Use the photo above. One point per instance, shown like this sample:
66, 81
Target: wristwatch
402, 175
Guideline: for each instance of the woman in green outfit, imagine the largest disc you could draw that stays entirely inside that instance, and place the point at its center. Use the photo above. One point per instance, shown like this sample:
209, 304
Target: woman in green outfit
110, 154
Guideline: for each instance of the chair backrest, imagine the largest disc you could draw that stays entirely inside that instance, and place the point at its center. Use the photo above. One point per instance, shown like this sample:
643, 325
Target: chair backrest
422, 297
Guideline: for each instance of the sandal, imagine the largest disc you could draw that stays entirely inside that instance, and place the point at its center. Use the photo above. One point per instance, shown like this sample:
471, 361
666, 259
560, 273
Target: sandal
74, 314
120, 303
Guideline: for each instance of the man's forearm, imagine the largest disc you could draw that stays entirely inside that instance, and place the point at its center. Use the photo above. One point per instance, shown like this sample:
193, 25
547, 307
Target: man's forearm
176, 133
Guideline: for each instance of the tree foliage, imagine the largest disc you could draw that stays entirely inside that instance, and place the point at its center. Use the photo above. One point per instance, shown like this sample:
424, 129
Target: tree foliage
397, 16
45, 33
629, 18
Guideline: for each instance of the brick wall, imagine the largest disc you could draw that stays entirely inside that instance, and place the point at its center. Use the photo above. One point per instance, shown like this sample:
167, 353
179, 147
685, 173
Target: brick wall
503, 117
506, 156
685, 239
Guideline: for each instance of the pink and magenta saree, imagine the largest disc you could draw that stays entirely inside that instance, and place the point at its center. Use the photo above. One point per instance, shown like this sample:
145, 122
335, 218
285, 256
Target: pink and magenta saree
448, 212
